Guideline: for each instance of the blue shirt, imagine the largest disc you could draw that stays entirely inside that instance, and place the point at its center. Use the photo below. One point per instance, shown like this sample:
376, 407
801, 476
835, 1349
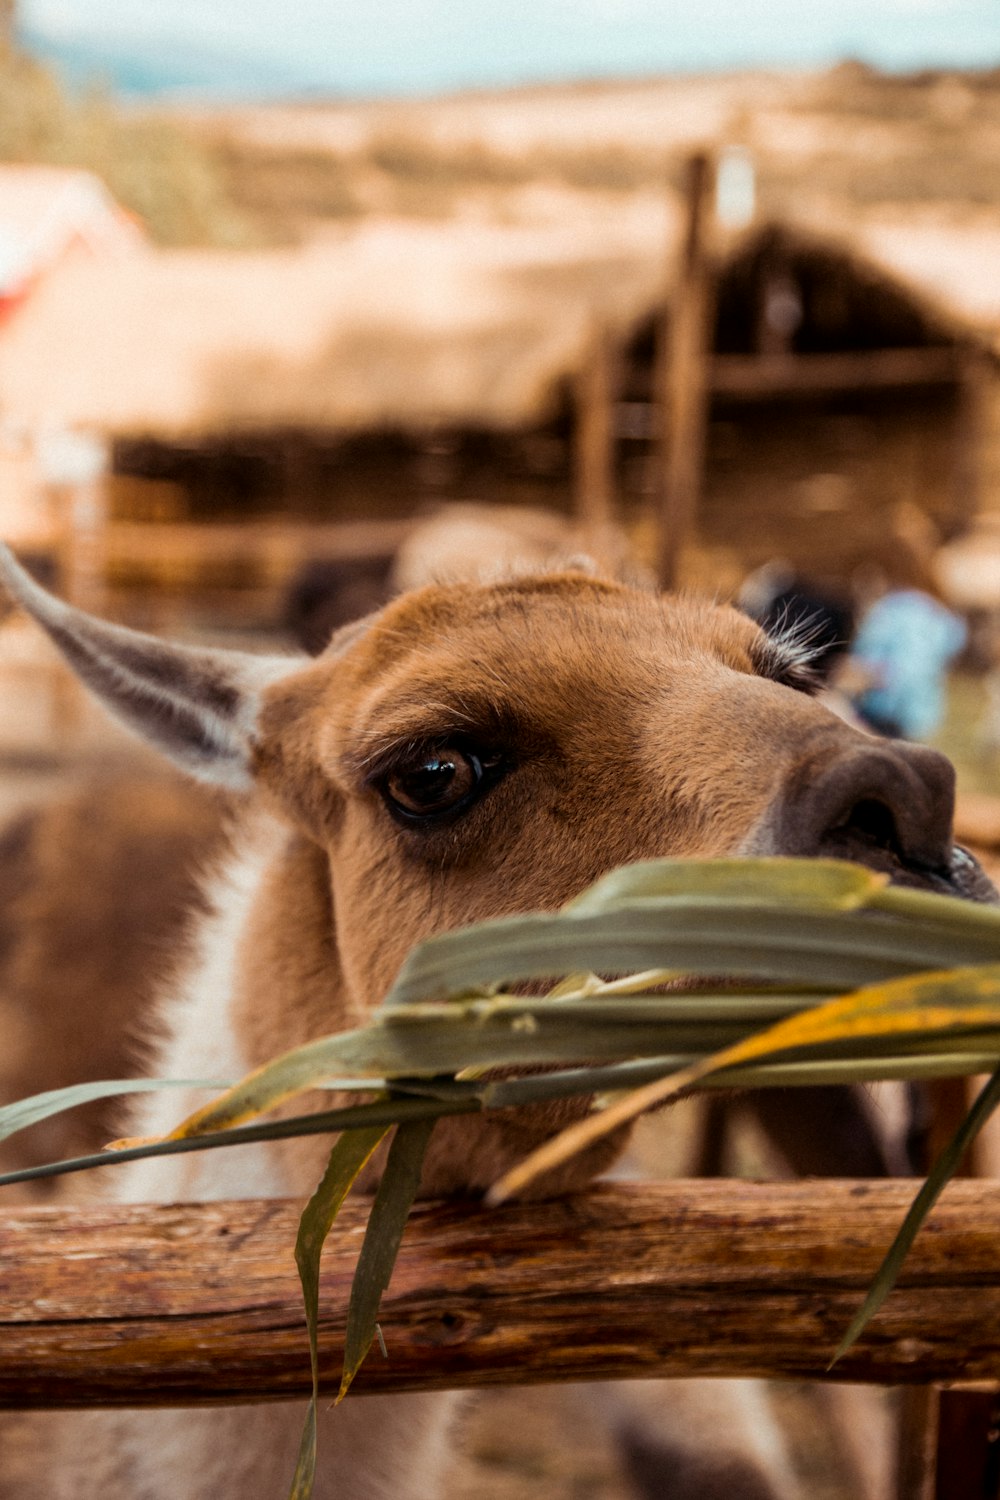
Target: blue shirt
906, 640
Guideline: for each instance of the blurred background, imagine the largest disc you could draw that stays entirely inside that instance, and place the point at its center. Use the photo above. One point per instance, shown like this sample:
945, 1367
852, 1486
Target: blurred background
300, 307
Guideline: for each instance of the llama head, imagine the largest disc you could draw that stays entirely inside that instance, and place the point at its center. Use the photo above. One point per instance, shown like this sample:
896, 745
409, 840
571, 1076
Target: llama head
476, 749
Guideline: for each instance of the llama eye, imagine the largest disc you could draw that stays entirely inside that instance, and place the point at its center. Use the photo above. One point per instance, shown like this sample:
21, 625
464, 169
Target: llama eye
435, 783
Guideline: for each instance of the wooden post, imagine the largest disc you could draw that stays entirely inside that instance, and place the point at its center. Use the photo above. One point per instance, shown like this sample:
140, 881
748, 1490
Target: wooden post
594, 475
171, 1305
74, 466
917, 1443
946, 1443
968, 1451
684, 379
968, 440
963, 1449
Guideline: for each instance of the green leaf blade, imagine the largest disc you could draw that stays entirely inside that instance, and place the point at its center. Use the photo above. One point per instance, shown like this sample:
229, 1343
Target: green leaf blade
937, 1180
24, 1113
347, 1159
383, 1235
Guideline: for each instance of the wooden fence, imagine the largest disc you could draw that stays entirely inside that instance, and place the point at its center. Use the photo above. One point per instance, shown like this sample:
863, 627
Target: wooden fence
174, 1305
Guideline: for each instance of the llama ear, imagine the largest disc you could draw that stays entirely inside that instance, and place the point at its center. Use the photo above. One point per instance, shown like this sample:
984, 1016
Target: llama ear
198, 707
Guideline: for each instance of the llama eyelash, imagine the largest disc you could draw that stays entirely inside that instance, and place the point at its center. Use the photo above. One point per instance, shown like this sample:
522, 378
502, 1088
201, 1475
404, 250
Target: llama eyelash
787, 655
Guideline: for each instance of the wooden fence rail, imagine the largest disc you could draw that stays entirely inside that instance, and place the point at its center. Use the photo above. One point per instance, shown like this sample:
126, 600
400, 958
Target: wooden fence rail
172, 1305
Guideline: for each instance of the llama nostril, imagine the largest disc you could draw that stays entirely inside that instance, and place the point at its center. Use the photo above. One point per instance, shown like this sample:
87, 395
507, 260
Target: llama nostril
879, 804
872, 822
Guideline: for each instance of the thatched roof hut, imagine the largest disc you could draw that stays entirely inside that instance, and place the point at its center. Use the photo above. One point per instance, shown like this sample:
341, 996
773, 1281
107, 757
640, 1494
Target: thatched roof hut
390, 363
837, 394
384, 327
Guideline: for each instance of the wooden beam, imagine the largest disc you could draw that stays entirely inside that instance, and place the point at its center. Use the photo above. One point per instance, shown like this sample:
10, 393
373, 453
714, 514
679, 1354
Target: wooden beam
762, 376
172, 544
594, 469
684, 379
174, 1305
970, 425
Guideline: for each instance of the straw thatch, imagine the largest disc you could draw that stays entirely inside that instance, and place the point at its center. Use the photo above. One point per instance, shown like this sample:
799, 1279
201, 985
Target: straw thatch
385, 327
389, 325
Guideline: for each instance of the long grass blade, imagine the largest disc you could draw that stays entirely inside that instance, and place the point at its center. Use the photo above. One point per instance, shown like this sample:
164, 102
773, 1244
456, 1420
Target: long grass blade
937, 1179
836, 950
438, 1099
37, 1107
323, 1122
346, 1161
380, 1246
822, 885
445, 1039
965, 1000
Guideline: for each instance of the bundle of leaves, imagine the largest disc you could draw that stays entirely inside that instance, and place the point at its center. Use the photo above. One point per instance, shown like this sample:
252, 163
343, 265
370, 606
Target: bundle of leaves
831, 976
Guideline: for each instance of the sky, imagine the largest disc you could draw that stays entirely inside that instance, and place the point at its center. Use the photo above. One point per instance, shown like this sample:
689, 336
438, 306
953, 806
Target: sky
425, 46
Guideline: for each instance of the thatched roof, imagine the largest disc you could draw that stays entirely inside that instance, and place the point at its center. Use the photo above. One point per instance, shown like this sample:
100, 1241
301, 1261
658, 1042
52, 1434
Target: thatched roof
391, 324
846, 301
402, 326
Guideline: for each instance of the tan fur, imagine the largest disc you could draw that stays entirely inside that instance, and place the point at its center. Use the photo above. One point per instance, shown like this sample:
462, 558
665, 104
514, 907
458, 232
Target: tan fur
97, 890
635, 727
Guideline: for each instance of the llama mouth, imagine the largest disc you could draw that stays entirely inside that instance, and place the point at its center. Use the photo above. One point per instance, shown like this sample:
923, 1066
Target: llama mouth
963, 876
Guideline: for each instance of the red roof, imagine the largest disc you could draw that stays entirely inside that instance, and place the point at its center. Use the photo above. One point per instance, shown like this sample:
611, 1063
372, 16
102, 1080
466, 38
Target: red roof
47, 213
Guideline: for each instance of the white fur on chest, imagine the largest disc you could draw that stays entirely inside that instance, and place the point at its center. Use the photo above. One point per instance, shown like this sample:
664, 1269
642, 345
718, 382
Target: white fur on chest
201, 1042
391, 1448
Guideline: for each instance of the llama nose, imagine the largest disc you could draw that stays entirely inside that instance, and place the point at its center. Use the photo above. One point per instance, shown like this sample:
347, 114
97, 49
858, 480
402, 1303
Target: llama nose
870, 802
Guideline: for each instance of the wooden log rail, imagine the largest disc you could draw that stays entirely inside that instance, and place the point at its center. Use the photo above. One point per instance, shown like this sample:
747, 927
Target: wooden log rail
173, 1305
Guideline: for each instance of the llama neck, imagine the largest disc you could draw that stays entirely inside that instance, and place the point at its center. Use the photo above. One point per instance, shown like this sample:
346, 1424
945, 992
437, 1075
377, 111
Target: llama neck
262, 977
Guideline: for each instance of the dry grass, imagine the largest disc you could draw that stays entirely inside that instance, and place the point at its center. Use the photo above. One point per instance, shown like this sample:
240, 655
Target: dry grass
850, 137
153, 165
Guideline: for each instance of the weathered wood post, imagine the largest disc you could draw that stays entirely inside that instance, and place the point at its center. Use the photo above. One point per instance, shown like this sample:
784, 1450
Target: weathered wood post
970, 422
962, 1439
946, 1443
684, 379
594, 454
74, 468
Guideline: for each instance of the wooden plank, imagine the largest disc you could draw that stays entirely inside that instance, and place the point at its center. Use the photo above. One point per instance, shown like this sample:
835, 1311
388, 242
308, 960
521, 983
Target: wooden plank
763, 376
173, 1305
684, 380
594, 469
970, 427
172, 543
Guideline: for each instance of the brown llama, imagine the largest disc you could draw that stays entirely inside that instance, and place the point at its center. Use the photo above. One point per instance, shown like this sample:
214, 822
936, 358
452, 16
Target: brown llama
470, 751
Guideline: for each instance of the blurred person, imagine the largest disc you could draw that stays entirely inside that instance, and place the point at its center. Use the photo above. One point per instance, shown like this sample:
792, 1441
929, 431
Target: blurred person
906, 640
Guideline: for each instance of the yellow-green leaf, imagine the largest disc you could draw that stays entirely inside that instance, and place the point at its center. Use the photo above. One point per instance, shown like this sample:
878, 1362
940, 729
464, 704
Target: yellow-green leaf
964, 1000
26, 1112
816, 885
348, 1157
383, 1234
